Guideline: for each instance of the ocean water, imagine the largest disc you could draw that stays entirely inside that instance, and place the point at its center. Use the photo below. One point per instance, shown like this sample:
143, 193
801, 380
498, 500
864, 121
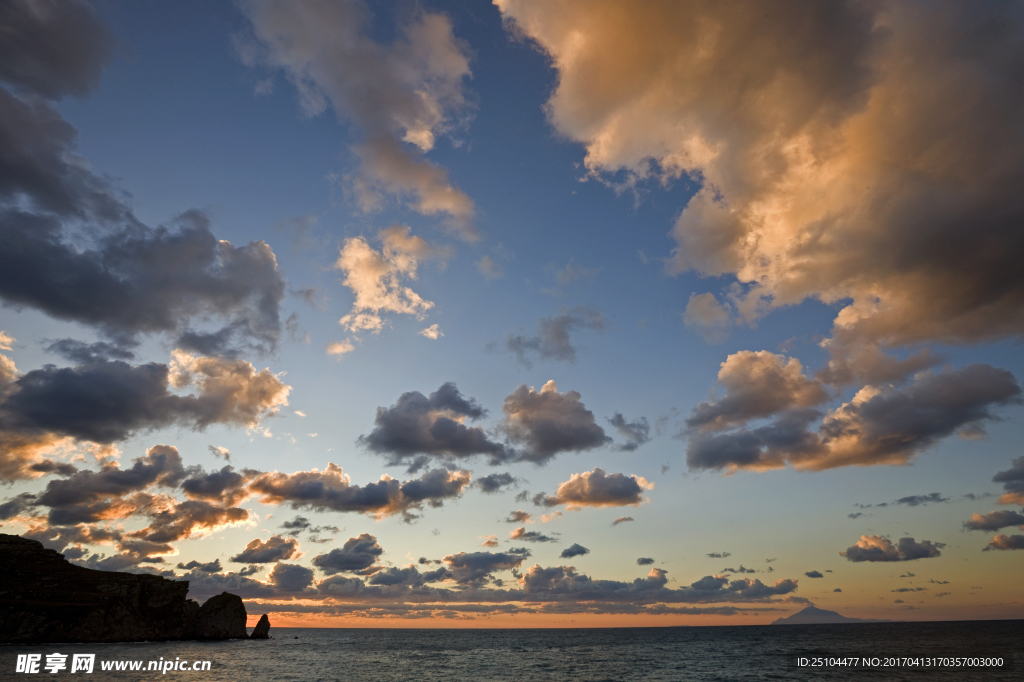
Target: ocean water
613, 655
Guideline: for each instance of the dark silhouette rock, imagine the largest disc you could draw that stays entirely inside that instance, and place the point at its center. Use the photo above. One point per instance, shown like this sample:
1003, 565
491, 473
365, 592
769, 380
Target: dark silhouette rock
262, 629
221, 617
43, 598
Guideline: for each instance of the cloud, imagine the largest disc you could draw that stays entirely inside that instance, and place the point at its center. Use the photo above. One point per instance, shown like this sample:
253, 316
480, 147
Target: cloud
475, 568
878, 426
636, 433
226, 485
339, 348
333, 490
574, 550
995, 520
813, 182
433, 332
741, 569
518, 516
275, 548
490, 268
597, 489
718, 555
489, 540
291, 577
1013, 483
547, 422
107, 401
553, 340
622, 519
493, 483
376, 278
1006, 542
529, 536
709, 317
210, 567
400, 96
644, 561
358, 554
55, 48
90, 496
758, 385
417, 427
814, 574
879, 548
918, 500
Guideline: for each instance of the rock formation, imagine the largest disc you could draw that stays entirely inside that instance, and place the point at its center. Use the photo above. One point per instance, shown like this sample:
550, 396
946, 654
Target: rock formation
262, 629
221, 617
43, 598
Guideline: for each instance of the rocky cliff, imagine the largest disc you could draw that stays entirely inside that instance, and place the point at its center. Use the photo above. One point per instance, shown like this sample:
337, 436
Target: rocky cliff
43, 598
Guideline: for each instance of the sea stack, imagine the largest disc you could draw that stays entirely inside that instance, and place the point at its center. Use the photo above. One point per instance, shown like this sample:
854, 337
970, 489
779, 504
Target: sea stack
262, 629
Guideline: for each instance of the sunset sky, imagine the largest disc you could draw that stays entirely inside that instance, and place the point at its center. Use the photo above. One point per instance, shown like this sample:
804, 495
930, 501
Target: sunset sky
532, 313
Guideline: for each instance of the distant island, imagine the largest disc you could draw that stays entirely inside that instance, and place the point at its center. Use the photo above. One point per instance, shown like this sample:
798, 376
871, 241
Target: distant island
44, 598
812, 615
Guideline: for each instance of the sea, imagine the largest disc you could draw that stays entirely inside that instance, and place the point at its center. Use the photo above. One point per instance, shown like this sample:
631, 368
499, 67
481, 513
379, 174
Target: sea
955, 651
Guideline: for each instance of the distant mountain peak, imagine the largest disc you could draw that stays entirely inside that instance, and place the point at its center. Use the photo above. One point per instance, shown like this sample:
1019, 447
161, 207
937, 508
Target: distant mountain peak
812, 615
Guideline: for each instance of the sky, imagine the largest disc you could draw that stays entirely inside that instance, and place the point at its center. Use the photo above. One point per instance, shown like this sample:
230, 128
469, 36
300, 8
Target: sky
523, 314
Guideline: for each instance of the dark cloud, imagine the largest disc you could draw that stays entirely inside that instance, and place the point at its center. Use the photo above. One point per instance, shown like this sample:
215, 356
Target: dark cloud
545, 423
553, 340
597, 489
719, 555
879, 548
291, 577
475, 568
118, 275
358, 554
644, 561
995, 520
622, 519
296, 525
493, 483
758, 385
574, 550
408, 576
636, 433
107, 401
274, 548
53, 48
814, 574
332, 490
1006, 542
855, 515
1013, 483
210, 567
918, 500
226, 485
886, 426
90, 496
741, 569
16, 505
83, 353
417, 426
143, 281
910, 589
529, 536
517, 516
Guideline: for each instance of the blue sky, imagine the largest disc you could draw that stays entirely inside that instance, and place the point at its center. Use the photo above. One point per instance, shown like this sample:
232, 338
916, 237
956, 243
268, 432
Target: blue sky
639, 219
